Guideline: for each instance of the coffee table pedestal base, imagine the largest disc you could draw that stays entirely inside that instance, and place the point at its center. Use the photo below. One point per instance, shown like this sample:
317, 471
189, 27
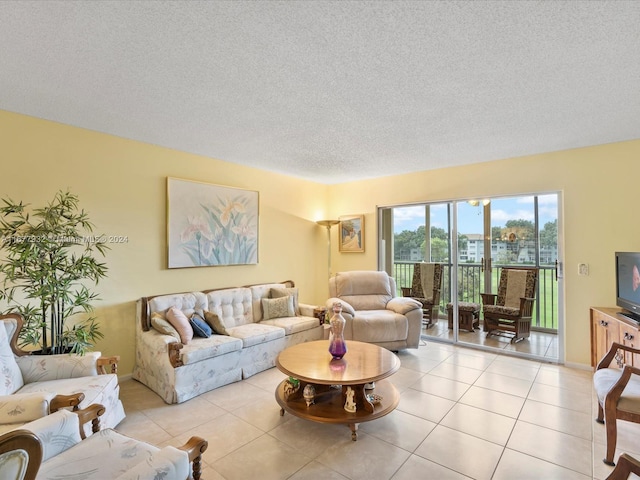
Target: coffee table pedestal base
329, 401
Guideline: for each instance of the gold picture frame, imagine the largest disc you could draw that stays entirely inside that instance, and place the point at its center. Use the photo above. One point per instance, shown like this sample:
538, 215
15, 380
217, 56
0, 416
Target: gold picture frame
351, 234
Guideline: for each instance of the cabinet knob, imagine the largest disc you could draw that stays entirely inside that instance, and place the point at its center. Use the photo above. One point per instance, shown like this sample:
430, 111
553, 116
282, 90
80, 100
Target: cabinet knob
603, 323
628, 336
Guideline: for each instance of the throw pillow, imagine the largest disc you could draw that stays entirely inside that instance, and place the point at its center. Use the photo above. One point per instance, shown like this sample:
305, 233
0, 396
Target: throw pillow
200, 327
277, 307
159, 323
283, 292
215, 323
180, 322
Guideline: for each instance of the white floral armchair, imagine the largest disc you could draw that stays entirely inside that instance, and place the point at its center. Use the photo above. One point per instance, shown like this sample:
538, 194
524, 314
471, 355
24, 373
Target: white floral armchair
67, 453
32, 386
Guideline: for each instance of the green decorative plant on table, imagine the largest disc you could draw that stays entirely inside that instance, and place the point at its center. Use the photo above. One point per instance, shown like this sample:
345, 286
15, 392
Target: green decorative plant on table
47, 259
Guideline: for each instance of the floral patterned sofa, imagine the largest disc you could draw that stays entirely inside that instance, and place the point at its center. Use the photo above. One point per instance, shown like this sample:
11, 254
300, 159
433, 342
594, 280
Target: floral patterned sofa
249, 326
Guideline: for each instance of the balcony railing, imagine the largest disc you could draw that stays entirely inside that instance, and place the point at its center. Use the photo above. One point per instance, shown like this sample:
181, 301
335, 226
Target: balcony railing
471, 284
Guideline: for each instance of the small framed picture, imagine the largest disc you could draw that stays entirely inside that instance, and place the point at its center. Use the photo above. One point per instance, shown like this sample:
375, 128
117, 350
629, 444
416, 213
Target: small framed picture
351, 231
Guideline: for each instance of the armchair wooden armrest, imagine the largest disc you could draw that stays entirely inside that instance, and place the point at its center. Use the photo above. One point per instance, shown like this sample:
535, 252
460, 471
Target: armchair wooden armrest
489, 298
195, 447
63, 401
90, 414
174, 354
613, 351
107, 364
526, 306
613, 396
626, 465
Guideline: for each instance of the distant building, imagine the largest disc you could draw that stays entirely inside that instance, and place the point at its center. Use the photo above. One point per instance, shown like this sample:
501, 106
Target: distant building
411, 255
474, 251
519, 251
522, 251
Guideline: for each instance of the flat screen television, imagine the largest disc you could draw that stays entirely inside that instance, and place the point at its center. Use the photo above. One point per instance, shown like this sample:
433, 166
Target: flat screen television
628, 284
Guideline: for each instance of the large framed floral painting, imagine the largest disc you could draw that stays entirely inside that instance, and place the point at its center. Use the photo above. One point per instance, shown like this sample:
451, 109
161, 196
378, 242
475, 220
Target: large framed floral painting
210, 224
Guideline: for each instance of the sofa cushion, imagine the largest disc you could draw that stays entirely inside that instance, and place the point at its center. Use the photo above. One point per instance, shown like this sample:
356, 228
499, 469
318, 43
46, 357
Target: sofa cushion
500, 310
94, 457
187, 302
233, 306
37, 368
379, 326
258, 292
293, 324
199, 326
11, 374
180, 322
19, 408
213, 346
102, 389
605, 378
169, 462
163, 326
256, 333
277, 307
283, 292
364, 290
215, 323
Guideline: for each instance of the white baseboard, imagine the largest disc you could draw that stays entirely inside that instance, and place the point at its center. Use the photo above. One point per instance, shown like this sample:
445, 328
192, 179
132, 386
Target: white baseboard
578, 366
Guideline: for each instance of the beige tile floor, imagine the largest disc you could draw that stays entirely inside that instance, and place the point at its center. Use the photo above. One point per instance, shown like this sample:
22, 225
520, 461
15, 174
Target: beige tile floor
541, 344
463, 413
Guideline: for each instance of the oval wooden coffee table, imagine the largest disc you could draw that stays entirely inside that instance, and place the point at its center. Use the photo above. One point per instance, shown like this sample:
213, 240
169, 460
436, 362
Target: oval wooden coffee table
311, 363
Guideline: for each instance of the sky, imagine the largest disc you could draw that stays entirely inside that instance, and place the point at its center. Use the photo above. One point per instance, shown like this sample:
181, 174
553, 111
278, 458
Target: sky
470, 218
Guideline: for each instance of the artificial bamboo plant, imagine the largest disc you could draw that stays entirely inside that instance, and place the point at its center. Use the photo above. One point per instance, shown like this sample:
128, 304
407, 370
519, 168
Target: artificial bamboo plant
47, 264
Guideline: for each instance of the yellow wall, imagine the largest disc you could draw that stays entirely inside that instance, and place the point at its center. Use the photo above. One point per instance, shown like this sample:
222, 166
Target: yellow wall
599, 186
122, 184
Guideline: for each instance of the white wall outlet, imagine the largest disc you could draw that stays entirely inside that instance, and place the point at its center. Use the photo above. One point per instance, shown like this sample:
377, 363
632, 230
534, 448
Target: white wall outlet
583, 269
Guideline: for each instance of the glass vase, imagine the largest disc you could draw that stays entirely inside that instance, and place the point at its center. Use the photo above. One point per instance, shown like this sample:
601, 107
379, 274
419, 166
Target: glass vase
337, 346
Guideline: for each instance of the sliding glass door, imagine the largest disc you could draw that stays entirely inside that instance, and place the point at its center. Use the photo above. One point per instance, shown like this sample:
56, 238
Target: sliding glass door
490, 234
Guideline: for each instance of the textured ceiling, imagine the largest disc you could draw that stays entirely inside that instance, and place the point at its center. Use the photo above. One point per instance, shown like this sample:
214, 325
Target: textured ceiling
330, 91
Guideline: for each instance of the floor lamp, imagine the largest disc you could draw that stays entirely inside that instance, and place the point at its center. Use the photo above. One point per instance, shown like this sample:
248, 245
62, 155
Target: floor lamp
328, 224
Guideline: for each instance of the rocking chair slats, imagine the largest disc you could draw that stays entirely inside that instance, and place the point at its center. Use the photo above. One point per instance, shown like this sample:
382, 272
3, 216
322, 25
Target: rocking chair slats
510, 310
429, 299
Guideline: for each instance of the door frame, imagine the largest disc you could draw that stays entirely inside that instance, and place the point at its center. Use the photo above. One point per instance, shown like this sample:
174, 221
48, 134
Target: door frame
385, 235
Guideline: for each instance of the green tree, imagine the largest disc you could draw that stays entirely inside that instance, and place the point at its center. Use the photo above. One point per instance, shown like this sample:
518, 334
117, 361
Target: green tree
524, 229
439, 250
406, 241
463, 241
440, 233
549, 235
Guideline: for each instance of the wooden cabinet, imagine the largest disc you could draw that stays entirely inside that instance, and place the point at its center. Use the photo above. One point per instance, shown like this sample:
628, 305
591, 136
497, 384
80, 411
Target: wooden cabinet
608, 327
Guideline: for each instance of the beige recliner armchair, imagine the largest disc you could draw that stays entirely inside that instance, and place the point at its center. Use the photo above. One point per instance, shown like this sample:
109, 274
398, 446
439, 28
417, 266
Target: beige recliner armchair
373, 311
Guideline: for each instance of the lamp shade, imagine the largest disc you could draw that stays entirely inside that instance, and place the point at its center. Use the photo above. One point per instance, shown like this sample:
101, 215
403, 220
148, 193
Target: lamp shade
328, 223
